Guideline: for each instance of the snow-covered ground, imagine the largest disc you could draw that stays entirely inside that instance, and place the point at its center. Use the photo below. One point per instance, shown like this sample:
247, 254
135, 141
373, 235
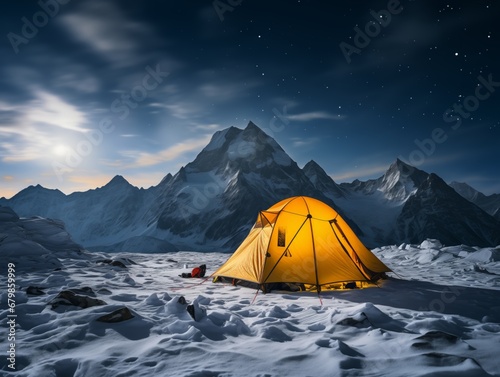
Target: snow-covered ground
437, 315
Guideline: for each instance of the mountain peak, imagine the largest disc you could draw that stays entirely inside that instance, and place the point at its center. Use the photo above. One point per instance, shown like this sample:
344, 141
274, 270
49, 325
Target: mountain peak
312, 165
235, 149
254, 132
401, 180
38, 190
402, 170
220, 138
251, 125
401, 166
321, 180
314, 172
118, 180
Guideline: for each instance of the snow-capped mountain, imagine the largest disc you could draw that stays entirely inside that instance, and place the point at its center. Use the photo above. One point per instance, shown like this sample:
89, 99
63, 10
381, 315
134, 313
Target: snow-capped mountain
211, 203
106, 215
214, 200
396, 185
489, 203
406, 204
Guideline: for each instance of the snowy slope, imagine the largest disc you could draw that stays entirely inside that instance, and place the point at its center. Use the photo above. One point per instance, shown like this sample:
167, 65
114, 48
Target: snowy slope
437, 315
33, 243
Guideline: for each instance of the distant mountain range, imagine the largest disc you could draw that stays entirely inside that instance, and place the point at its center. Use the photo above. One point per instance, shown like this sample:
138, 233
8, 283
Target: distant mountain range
211, 203
490, 203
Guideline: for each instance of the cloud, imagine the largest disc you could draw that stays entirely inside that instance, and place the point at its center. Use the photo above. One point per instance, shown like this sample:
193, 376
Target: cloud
183, 109
52, 110
106, 29
29, 129
144, 159
208, 127
220, 92
303, 142
223, 92
315, 115
83, 83
45, 108
8, 178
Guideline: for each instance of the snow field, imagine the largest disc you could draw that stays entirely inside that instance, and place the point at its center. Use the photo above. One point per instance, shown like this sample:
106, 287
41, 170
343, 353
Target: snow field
439, 317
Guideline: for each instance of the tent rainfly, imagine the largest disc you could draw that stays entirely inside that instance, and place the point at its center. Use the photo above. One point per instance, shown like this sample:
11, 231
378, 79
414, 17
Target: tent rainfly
304, 242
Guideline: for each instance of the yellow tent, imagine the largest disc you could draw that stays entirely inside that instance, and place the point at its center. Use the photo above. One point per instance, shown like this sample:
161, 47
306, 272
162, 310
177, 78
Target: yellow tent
302, 240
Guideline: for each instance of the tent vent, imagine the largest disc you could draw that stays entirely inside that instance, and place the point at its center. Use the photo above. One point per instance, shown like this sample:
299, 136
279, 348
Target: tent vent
281, 237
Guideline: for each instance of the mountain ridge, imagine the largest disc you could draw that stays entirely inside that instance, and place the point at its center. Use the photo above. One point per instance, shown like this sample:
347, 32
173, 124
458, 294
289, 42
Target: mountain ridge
489, 203
211, 203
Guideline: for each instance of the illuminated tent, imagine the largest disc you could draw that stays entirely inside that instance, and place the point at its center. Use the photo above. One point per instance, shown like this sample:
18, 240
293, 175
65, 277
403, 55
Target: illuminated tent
303, 241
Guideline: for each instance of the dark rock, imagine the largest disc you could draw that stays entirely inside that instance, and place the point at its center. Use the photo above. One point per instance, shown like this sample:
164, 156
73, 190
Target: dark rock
129, 261
196, 311
35, 291
182, 300
112, 262
438, 359
119, 315
438, 335
70, 298
190, 310
104, 291
361, 321
483, 270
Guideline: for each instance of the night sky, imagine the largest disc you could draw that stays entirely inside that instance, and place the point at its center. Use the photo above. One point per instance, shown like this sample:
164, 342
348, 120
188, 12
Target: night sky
101, 88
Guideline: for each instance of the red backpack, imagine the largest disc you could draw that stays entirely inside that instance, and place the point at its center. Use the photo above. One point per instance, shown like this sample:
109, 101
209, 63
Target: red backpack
196, 272
199, 272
